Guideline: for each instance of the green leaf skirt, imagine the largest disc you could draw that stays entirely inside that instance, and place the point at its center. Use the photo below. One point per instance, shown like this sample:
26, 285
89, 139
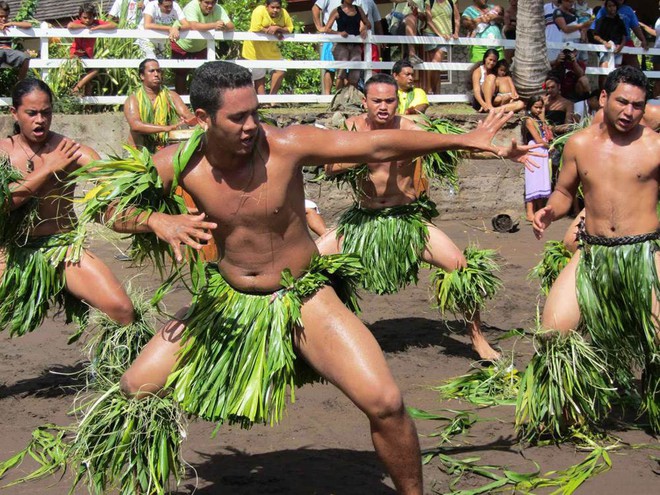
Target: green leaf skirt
237, 359
33, 280
389, 241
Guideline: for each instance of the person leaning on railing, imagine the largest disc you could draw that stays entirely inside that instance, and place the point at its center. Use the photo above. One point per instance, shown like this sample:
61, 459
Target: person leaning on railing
164, 16
8, 56
202, 15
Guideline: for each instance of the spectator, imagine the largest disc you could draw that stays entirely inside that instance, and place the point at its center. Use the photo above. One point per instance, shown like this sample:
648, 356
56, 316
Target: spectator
566, 20
552, 32
83, 48
632, 24
202, 15
321, 11
478, 76
572, 76
350, 20
509, 29
375, 19
483, 20
408, 19
8, 56
153, 110
412, 100
558, 110
655, 31
537, 176
500, 92
165, 16
610, 31
314, 219
443, 20
269, 19
127, 13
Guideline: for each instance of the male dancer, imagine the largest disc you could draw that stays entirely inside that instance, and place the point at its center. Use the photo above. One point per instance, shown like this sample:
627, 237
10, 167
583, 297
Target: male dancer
247, 178
390, 185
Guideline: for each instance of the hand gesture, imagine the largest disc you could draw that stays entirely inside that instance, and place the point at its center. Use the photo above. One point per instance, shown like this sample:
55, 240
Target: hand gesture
177, 230
482, 136
66, 153
542, 220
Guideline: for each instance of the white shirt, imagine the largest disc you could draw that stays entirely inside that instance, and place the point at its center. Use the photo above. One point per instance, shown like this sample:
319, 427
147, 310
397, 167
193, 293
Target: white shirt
131, 12
327, 6
153, 9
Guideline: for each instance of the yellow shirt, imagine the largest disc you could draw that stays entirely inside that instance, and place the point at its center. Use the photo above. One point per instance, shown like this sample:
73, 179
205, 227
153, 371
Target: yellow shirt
265, 50
408, 99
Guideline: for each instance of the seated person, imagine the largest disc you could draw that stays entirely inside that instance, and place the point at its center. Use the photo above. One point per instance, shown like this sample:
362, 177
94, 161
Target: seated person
480, 73
558, 110
412, 100
8, 56
153, 110
500, 92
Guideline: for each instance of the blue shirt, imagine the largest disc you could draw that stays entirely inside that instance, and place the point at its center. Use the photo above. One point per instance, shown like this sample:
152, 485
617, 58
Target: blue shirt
626, 13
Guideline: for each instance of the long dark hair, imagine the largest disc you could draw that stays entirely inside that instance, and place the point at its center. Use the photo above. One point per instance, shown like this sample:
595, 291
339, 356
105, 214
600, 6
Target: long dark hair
25, 87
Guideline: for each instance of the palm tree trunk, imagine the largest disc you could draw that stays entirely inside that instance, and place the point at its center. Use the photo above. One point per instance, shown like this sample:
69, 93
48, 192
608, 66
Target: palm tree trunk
531, 57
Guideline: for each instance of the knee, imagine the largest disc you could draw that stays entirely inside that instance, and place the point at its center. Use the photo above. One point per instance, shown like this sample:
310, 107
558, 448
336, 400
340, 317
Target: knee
121, 311
387, 404
132, 386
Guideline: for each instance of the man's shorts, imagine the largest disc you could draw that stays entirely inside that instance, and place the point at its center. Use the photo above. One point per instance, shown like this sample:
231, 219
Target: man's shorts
326, 54
179, 53
261, 73
12, 58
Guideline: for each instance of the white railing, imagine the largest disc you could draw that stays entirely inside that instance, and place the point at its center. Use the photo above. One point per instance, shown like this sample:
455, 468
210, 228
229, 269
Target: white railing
44, 62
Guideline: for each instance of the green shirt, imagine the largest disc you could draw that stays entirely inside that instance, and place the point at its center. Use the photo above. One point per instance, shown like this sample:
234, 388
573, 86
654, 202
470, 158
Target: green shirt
193, 13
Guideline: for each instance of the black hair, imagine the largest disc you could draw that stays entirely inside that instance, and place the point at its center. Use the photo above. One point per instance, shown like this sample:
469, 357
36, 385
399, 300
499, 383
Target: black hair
268, 2
4, 6
380, 78
628, 75
553, 78
502, 63
88, 8
211, 79
613, 1
143, 65
489, 52
25, 87
400, 65
531, 101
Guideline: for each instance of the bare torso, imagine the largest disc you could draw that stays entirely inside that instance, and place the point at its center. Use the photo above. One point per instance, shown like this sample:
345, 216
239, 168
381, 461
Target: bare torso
259, 209
55, 198
388, 183
620, 180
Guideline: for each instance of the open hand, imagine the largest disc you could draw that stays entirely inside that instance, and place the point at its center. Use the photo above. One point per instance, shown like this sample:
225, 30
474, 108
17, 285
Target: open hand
66, 153
542, 220
177, 230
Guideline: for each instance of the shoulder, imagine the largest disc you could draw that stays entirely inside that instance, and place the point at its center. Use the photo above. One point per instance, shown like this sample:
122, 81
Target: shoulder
6, 145
405, 124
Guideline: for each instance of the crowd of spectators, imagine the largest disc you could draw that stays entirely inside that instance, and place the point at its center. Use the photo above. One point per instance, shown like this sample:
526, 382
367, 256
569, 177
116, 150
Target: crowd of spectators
612, 25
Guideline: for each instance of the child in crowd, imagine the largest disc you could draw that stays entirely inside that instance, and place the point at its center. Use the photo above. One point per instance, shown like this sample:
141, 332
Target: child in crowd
8, 56
505, 90
269, 19
84, 47
495, 14
351, 19
537, 177
164, 16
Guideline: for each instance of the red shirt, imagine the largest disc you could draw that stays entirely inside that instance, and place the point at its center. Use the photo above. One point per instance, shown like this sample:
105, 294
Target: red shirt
84, 47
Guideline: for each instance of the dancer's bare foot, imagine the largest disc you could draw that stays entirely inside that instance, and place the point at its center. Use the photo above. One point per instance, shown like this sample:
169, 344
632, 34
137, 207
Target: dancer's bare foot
479, 342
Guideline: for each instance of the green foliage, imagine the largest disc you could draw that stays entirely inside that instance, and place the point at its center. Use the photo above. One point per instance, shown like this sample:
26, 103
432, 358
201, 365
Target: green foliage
27, 10
554, 260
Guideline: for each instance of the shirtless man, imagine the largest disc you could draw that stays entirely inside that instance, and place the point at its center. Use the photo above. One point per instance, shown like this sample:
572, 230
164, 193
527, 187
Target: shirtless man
247, 178
392, 184
141, 112
617, 162
45, 158
558, 110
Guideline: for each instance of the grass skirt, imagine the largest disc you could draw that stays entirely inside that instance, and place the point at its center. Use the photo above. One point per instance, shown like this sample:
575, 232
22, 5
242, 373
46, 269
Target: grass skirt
554, 260
237, 359
33, 281
389, 241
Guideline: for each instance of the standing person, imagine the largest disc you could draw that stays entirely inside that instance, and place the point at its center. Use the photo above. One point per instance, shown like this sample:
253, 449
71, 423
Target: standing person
269, 19
386, 195
164, 16
552, 32
127, 13
509, 28
269, 283
566, 19
484, 14
610, 31
655, 32
8, 56
611, 284
202, 15
351, 20
632, 25
321, 11
443, 20
373, 14
83, 48
153, 110
41, 239
412, 100
483, 72
536, 132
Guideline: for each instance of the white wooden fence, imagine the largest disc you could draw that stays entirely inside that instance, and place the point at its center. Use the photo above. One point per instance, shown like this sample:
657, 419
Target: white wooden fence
46, 34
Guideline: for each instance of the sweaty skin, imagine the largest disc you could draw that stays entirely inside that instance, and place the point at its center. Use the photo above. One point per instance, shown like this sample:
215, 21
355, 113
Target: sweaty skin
617, 160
